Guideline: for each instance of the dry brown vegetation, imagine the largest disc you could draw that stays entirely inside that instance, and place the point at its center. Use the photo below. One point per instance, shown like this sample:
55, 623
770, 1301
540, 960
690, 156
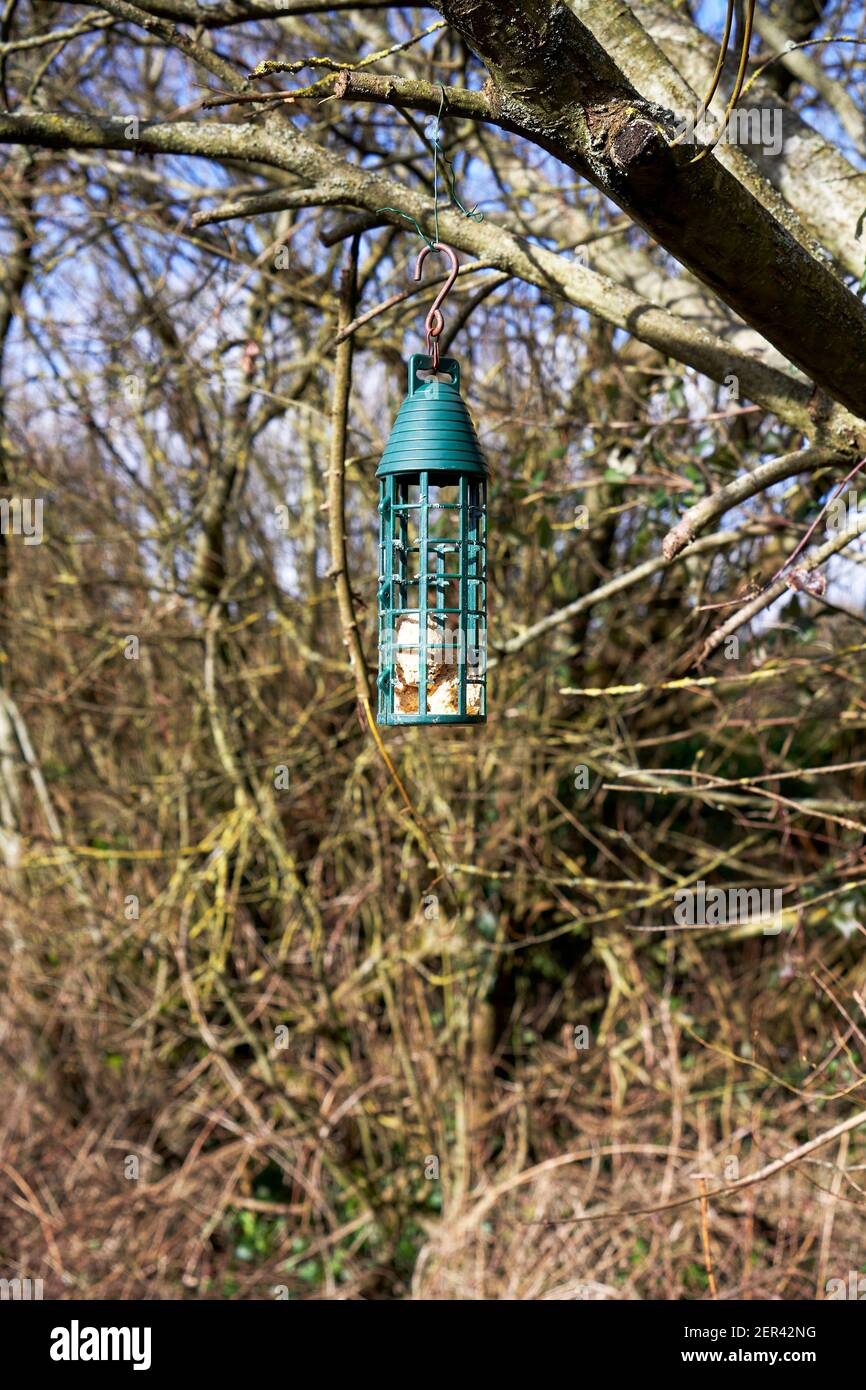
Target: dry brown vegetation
267, 1030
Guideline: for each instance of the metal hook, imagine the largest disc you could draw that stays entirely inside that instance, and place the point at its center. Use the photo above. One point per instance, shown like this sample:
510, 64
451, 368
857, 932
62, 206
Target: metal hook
435, 322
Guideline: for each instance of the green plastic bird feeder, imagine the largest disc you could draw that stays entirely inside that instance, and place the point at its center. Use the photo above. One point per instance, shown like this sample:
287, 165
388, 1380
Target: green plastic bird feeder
433, 548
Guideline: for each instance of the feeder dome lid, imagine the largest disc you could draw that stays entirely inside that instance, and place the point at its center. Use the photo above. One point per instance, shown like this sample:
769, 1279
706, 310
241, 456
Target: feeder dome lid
433, 431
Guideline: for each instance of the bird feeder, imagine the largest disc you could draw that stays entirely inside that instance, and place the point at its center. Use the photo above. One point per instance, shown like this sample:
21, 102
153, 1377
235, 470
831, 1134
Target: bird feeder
433, 546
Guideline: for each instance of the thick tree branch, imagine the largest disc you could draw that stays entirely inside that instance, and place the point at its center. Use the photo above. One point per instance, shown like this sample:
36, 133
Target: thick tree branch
645, 65
553, 79
339, 183
568, 222
225, 16
811, 174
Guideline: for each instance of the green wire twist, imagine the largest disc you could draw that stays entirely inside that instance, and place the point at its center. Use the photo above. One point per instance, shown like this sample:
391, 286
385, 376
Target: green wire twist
472, 213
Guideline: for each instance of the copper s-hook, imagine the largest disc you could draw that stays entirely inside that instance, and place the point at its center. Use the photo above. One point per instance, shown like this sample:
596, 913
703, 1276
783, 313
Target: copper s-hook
435, 322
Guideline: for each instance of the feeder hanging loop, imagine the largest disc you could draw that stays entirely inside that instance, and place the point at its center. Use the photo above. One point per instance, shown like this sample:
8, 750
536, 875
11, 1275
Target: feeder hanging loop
435, 322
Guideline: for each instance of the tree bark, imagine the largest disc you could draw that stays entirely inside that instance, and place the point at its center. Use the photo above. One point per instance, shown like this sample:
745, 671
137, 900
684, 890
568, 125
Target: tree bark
551, 77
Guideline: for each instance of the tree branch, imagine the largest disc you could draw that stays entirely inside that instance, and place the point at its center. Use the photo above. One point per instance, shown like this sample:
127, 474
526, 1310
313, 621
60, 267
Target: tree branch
224, 16
553, 79
769, 595
338, 183
746, 486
